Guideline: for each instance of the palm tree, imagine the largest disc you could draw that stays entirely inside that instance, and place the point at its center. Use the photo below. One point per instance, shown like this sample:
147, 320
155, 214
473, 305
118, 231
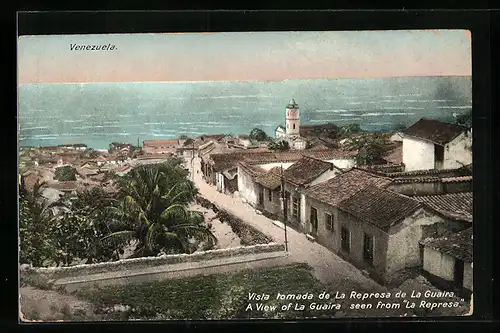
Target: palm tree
35, 223
154, 211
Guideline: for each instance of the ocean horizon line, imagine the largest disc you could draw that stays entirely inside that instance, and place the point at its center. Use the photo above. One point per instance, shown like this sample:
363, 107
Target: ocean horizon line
250, 81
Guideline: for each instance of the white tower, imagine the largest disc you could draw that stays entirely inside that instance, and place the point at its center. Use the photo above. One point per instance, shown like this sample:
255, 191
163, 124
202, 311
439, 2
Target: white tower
292, 119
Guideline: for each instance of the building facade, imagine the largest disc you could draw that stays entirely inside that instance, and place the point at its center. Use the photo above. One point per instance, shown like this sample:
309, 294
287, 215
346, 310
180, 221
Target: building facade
431, 144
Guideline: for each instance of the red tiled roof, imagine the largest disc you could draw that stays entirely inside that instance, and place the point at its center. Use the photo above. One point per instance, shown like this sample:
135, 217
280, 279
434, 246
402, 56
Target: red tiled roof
434, 131
443, 173
456, 179
271, 179
65, 185
215, 137
161, 143
394, 155
228, 160
154, 156
335, 190
457, 206
458, 245
306, 170
252, 170
380, 207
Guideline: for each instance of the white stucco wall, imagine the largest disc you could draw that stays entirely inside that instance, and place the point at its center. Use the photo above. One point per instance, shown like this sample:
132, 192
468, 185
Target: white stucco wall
298, 144
219, 182
246, 187
439, 264
417, 154
468, 276
329, 174
458, 152
403, 246
343, 163
396, 137
303, 211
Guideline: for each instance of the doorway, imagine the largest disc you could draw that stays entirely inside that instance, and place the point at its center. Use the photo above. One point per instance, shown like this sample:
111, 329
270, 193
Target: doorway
458, 274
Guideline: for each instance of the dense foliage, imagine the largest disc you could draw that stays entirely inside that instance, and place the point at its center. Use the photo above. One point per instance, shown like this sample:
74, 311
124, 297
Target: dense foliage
153, 211
35, 224
258, 135
350, 128
370, 148
95, 226
65, 173
279, 145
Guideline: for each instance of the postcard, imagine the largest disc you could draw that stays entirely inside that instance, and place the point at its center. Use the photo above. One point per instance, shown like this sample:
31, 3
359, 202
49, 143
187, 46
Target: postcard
245, 175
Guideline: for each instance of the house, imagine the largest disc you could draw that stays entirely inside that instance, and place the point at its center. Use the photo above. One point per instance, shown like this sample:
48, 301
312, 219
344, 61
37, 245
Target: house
86, 172
244, 140
431, 182
322, 200
227, 180
306, 172
432, 144
396, 137
74, 146
380, 231
270, 183
394, 154
266, 160
455, 208
160, 146
280, 132
447, 261
120, 147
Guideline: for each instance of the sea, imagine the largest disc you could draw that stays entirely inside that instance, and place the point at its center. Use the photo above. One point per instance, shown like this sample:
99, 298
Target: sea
100, 113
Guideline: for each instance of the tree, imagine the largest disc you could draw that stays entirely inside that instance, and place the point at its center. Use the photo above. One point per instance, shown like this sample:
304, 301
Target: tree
370, 148
65, 173
188, 142
258, 135
153, 211
35, 223
280, 145
77, 232
465, 119
350, 128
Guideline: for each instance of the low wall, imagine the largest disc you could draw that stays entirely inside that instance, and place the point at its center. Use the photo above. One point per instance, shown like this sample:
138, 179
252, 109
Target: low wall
248, 234
53, 273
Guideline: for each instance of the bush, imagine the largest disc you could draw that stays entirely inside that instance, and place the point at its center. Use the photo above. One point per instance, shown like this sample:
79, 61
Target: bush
65, 173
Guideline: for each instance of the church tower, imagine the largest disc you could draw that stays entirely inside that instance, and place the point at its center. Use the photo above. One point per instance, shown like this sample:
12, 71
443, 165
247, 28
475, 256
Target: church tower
292, 119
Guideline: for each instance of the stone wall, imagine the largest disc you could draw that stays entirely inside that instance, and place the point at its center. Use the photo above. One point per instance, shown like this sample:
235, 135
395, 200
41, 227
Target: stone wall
52, 273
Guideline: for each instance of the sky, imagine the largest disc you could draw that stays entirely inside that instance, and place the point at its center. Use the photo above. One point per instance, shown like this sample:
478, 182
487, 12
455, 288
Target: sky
245, 56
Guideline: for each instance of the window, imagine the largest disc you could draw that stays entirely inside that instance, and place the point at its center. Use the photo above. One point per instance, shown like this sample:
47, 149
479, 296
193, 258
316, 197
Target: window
329, 222
296, 207
438, 153
293, 126
314, 218
270, 195
368, 249
345, 240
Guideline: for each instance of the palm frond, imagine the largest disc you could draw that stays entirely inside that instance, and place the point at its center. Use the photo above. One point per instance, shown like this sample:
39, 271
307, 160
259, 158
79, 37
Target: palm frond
125, 233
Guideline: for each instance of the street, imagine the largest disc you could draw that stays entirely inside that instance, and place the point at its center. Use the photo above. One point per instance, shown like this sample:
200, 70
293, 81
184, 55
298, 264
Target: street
328, 267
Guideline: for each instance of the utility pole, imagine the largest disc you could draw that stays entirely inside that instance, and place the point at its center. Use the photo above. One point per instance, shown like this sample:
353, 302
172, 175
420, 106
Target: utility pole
285, 206
192, 161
